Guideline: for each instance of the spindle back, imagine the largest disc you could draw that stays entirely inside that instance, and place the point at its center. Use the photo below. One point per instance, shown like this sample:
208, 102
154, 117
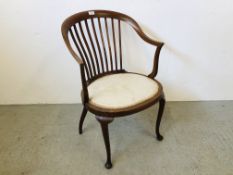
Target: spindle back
94, 39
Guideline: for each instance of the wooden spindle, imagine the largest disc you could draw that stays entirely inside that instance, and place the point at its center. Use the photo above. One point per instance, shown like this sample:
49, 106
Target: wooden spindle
109, 45
88, 48
93, 46
98, 45
83, 49
103, 45
80, 52
114, 43
119, 28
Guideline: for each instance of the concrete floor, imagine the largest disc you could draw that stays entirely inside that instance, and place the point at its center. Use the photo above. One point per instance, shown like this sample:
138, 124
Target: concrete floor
44, 140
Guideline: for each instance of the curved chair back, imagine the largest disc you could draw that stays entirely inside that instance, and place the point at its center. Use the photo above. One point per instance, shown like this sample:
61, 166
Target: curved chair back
94, 39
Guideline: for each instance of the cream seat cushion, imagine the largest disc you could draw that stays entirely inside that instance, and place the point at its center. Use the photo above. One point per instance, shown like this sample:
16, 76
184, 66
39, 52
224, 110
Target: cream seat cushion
121, 90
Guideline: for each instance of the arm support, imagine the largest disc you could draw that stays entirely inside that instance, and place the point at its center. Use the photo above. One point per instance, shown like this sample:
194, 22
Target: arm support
156, 62
158, 45
84, 93
147, 39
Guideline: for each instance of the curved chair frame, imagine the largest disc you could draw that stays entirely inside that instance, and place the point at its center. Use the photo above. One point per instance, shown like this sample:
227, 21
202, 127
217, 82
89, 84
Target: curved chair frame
85, 58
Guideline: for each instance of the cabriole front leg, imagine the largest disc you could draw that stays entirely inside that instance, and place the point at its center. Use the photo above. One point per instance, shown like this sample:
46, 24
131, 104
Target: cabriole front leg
162, 102
104, 121
83, 115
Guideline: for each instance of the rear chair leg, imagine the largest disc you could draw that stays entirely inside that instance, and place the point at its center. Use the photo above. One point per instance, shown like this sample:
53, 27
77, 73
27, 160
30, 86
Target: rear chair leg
162, 102
104, 121
83, 115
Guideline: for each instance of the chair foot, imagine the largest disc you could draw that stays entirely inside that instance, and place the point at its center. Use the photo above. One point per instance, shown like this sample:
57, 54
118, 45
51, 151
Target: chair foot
159, 117
83, 115
104, 121
159, 137
108, 165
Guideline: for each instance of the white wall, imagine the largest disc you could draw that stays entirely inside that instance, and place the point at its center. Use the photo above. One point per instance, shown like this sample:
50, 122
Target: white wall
195, 64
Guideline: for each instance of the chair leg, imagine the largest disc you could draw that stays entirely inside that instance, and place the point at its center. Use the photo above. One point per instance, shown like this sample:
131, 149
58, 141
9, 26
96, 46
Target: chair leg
162, 102
83, 115
104, 121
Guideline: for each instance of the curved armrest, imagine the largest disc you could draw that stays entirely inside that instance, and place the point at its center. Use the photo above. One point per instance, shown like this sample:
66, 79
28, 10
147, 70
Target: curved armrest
67, 42
147, 39
156, 62
80, 62
159, 46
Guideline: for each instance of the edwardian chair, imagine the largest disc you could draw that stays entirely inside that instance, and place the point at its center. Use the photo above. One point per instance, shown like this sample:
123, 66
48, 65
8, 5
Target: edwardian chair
95, 41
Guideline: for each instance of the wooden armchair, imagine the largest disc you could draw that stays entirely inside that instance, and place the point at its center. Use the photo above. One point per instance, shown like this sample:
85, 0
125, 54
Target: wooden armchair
95, 41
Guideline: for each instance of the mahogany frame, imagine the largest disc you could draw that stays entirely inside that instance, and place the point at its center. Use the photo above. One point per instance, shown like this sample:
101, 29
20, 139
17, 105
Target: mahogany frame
91, 69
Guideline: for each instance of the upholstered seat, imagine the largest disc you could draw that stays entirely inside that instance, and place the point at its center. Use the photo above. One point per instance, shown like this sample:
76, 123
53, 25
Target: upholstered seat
121, 90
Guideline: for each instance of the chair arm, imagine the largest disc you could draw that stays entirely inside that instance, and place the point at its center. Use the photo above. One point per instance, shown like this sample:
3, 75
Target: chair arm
158, 45
84, 95
80, 61
156, 62
147, 39
68, 45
